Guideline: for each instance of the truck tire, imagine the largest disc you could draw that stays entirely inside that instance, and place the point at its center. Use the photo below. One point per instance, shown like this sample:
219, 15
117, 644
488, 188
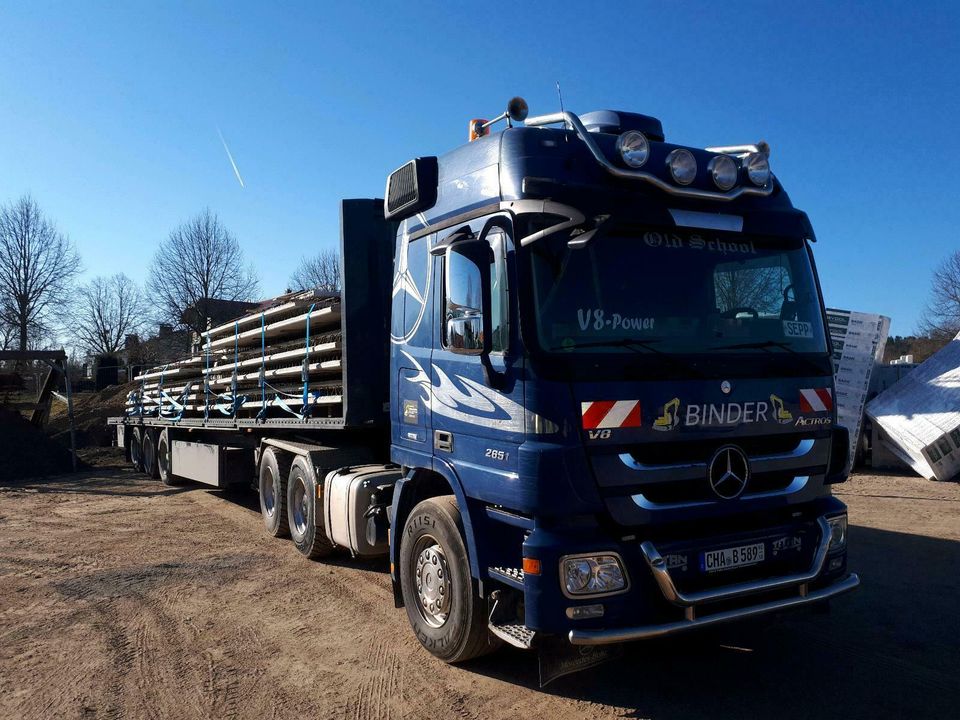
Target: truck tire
163, 459
302, 511
274, 469
136, 448
446, 613
148, 451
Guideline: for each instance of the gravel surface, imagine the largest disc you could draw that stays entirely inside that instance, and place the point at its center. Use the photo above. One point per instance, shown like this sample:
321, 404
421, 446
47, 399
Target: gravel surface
123, 598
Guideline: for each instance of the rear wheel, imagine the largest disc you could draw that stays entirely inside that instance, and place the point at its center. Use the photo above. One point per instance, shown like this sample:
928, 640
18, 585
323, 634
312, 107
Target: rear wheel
445, 611
163, 459
274, 469
136, 448
148, 451
302, 509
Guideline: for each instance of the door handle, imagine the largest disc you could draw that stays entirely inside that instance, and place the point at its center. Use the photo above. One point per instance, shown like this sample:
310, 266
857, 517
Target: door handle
443, 440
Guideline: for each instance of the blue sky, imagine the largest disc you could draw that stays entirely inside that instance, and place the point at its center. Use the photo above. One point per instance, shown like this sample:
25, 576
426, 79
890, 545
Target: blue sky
109, 114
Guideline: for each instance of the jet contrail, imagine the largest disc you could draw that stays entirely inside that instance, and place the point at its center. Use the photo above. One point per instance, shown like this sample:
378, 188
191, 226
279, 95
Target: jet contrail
230, 157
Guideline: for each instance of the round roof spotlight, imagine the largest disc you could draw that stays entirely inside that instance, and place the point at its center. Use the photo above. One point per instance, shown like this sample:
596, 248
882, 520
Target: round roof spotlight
758, 168
517, 109
723, 170
683, 166
633, 148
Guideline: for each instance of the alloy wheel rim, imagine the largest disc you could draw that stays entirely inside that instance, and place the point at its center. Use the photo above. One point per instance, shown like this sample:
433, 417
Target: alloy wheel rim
432, 576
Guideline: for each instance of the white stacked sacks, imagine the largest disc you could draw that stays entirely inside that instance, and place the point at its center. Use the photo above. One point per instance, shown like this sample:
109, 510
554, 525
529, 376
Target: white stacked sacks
920, 416
858, 343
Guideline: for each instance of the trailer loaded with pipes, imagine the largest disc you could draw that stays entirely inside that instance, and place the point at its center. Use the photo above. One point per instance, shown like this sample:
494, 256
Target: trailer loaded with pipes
303, 359
304, 375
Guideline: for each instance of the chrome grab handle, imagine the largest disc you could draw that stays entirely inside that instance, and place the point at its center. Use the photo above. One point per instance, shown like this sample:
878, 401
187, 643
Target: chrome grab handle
658, 566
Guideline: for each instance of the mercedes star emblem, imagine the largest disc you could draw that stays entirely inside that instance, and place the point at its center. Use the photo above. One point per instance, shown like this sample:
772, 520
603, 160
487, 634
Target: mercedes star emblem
728, 472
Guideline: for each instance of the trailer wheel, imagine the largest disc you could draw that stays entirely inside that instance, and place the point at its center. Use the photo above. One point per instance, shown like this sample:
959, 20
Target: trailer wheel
148, 453
302, 510
163, 459
136, 448
445, 611
274, 468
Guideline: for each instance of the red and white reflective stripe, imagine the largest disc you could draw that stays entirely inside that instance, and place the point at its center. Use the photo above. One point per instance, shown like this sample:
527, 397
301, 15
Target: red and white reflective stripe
610, 414
816, 400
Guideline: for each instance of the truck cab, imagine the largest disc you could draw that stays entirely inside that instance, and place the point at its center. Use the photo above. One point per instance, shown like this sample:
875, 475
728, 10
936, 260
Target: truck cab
609, 354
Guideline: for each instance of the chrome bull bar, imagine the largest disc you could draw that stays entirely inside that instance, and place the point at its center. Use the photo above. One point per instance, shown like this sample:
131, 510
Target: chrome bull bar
690, 602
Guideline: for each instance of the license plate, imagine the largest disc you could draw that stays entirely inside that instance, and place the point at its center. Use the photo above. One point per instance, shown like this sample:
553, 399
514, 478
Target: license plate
729, 558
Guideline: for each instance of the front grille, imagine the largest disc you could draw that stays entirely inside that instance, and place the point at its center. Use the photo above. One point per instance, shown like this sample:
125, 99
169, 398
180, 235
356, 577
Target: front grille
698, 490
685, 451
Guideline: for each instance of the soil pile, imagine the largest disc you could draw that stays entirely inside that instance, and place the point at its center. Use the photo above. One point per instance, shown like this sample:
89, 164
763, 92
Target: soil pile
28, 451
90, 413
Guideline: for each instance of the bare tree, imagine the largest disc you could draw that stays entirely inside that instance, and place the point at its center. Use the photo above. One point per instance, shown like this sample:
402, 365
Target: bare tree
199, 261
107, 309
37, 267
941, 319
321, 272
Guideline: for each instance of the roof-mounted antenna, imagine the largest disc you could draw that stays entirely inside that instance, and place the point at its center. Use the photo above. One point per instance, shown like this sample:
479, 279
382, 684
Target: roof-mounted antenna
560, 95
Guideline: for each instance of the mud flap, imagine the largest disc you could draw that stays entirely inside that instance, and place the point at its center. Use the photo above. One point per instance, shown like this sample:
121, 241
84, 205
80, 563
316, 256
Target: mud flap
558, 657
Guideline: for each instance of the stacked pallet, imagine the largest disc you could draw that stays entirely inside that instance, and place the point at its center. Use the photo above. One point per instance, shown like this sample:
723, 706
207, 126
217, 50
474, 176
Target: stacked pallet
281, 361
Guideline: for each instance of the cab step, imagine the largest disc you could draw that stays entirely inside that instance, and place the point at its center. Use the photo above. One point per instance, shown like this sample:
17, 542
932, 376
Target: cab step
517, 635
511, 576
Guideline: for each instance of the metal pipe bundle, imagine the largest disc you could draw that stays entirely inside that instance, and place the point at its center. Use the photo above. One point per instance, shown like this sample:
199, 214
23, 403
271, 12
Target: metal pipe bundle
281, 362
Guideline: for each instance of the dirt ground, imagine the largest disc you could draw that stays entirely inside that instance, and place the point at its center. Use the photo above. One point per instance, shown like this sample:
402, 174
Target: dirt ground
122, 598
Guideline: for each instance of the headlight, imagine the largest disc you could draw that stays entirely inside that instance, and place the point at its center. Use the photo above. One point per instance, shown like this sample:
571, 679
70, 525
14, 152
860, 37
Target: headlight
758, 168
683, 166
839, 525
724, 171
633, 148
592, 575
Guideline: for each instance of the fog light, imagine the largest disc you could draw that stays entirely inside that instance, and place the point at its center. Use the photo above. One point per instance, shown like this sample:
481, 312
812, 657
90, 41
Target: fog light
758, 168
838, 524
723, 170
592, 575
583, 612
633, 148
683, 166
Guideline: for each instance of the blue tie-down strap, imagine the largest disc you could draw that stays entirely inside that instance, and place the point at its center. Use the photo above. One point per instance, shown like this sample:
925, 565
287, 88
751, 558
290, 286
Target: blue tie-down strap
134, 397
229, 403
278, 400
179, 403
307, 410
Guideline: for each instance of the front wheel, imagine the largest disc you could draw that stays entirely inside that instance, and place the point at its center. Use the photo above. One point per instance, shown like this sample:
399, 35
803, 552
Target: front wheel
446, 613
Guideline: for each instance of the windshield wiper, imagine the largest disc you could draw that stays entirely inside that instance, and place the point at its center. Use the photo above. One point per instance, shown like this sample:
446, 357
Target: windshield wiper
760, 345
631, 343
766, 345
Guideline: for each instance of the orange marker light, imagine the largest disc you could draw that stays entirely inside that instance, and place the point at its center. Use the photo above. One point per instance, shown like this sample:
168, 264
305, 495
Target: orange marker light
477, 130
531, 566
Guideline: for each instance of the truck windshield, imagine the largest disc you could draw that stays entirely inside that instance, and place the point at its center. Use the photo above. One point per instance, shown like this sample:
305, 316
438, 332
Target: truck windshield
676, 292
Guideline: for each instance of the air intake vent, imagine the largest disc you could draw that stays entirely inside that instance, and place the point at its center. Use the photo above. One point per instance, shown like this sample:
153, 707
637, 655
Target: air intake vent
411, 188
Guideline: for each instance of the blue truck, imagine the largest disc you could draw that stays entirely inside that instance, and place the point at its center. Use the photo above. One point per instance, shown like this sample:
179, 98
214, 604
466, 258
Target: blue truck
585, 394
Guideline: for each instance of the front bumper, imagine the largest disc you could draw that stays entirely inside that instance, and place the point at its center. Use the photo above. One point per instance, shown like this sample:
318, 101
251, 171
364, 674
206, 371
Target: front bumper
697, 605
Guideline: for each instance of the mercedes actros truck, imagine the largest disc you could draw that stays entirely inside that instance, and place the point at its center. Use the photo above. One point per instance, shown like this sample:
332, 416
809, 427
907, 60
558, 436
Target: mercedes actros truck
577, 384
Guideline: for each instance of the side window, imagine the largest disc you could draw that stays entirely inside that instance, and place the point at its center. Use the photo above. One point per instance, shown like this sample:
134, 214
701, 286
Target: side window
463, 300
499, 297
